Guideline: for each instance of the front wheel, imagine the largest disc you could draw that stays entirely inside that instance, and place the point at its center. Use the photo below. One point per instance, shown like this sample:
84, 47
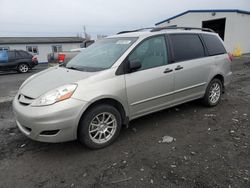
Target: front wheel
213, 93
23, 68
100, 126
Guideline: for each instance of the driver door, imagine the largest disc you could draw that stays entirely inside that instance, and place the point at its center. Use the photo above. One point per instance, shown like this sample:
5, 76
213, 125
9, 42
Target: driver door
151, 87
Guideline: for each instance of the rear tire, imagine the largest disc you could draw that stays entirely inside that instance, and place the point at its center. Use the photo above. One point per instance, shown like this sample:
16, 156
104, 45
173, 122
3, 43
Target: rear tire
213, 93
23, 68
100, 126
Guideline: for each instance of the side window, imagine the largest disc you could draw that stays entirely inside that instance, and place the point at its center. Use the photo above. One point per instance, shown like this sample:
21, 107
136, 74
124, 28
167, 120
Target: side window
4, 48
213, 44
11, 54
18, 55
151, 53
186, 46
23, 54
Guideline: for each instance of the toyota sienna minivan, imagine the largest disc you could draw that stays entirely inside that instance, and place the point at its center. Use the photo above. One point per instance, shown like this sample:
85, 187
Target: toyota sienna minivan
120, 78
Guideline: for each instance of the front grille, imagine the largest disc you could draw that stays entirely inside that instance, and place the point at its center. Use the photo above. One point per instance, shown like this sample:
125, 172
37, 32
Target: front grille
25, 100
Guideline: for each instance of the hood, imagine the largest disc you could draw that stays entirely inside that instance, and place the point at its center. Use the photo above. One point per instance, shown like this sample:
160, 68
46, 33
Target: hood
51, 79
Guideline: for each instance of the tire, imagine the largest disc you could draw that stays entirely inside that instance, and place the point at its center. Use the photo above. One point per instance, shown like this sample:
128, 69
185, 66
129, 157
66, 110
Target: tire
92, 123
214, 88
23, 68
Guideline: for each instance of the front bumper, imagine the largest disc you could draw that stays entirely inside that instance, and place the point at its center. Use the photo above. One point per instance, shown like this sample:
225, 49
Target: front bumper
53, 123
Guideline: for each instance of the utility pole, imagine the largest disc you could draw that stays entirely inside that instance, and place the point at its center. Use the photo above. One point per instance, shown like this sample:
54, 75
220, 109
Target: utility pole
86, 35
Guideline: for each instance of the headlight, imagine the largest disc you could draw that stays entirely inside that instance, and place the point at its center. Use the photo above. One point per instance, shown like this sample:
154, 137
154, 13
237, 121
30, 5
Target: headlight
56, 95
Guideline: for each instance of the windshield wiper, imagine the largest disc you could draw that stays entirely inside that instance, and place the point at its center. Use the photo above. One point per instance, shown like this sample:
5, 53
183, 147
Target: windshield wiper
73, 68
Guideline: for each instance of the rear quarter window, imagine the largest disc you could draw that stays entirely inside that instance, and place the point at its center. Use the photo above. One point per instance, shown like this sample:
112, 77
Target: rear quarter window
186, 46
213, 44
23, 55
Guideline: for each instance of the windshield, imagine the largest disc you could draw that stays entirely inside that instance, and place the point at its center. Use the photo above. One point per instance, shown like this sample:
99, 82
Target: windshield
101, 55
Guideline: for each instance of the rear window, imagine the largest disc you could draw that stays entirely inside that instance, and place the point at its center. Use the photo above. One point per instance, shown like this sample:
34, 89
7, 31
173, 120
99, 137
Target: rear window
213, 44
186, 46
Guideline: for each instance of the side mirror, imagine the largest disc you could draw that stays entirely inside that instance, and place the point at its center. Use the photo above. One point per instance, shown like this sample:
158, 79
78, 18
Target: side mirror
134, 65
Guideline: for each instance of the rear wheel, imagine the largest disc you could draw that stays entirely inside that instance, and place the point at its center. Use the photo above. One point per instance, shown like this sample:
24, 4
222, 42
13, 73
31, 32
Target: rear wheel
23, 68
100, 126
213, 93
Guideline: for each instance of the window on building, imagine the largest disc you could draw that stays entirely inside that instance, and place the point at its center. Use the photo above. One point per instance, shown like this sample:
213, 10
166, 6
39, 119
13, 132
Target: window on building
186, 46
57, 48
32, 49
6, 48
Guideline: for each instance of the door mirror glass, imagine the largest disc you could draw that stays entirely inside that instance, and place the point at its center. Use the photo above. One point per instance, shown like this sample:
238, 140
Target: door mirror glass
134, 65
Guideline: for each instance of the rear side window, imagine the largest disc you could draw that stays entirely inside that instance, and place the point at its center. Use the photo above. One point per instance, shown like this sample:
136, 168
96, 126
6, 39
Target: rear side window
186, 46
23, 54
213, 44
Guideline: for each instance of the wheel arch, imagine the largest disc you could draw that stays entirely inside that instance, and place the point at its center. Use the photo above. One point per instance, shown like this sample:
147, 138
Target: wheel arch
221, 78
110, 101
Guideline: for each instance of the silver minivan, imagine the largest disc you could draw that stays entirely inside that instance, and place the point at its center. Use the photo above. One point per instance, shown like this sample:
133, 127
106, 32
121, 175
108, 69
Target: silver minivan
120, 78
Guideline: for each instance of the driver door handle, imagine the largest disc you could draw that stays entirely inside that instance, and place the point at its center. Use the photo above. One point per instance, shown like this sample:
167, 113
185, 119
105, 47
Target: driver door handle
167, 70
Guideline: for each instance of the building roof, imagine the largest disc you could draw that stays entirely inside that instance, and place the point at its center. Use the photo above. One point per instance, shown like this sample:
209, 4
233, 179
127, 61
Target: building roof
208, 10
40, 40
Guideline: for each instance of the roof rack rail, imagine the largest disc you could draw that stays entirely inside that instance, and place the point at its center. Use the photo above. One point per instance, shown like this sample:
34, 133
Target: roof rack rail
183, 28
136, 30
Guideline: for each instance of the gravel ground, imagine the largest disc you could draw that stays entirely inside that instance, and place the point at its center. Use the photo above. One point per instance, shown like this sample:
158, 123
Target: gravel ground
209, 147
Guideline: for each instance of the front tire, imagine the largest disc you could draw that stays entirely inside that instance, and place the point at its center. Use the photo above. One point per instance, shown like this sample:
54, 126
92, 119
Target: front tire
100, 126
213, 93
23, 68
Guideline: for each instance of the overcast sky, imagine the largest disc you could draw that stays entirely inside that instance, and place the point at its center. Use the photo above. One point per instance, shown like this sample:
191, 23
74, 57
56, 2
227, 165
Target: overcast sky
67, 17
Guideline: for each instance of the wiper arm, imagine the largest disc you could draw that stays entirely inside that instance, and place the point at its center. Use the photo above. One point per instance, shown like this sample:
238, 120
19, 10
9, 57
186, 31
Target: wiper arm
73, 68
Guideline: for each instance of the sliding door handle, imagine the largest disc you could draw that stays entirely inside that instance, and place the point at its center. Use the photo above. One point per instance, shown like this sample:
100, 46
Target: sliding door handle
179, 67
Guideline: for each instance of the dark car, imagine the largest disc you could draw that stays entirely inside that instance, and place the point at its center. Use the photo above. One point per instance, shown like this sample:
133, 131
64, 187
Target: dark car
18, 60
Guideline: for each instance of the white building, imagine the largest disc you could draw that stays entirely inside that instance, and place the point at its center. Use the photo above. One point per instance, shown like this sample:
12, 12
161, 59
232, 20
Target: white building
232, 25
41, 46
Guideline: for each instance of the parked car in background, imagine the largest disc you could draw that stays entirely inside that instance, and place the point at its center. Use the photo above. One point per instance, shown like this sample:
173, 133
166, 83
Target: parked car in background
121, 78
56, 58
18, 60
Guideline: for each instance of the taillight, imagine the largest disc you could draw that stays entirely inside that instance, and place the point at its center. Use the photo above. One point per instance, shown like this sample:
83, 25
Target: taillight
34, 58
61, 58
230, 56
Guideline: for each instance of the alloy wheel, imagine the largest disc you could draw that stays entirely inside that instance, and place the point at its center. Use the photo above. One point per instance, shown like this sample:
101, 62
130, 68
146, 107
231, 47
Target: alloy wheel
102, 127
214, 93
23, 68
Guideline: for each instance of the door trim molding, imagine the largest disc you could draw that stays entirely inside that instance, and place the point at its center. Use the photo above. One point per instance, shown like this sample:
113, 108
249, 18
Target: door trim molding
167, 94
